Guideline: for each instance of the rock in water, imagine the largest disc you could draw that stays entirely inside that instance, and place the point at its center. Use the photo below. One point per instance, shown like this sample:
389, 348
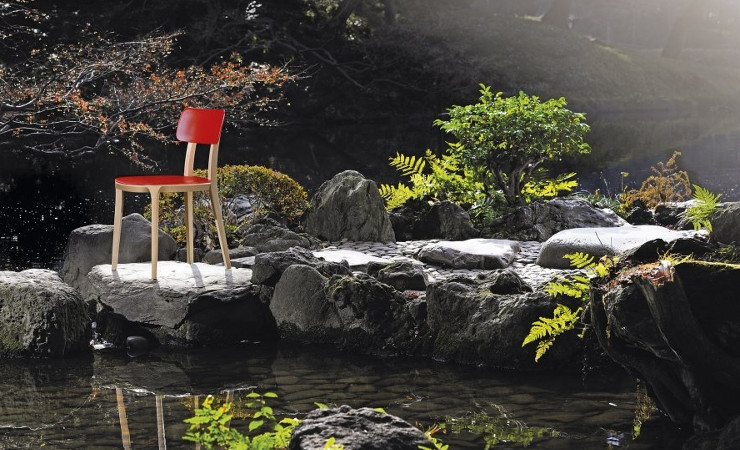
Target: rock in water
188, 305
40, 315
349, 206
356, 429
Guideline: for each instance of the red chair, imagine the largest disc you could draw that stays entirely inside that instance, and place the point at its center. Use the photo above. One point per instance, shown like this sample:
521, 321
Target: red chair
196, 126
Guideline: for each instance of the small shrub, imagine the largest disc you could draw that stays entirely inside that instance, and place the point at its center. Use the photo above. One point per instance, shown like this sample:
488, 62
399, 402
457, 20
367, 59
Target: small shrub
666, 184
270, 192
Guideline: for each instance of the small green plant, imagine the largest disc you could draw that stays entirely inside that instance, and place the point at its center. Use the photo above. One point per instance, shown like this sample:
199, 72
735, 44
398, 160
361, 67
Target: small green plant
211, 427
701, 212
444, 180
667, 184
541, 186
578, 287
437, 444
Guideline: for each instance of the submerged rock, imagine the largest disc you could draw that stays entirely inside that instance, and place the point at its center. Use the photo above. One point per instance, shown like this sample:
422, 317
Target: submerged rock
40, 315
349, 206
361, 429
188, 305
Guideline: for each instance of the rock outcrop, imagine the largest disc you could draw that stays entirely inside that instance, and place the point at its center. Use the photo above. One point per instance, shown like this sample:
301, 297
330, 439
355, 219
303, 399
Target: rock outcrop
91, 245
40, 315
362, 428
484, 321
539, 221
349, 206
269, 267
677, 329
726, 223
188, 305
441, 220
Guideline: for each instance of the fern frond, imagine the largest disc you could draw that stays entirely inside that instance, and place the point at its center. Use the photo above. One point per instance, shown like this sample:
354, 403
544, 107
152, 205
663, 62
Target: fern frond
395, 196
408, 165
542, 348
706, 204
580, 260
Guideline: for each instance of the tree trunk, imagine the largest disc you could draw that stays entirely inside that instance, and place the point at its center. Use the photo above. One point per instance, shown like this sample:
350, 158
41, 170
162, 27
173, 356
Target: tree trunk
558, 14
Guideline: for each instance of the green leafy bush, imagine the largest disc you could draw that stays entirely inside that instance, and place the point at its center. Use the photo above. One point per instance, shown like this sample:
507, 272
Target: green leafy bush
503, 140
269, 191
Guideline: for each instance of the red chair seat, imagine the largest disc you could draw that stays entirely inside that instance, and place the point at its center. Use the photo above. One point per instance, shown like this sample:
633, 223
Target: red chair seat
161, 180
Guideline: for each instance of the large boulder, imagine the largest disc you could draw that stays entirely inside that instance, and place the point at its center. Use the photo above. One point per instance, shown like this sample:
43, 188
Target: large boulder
442, 220
539, 221
484, 321
677, 328
349, 206
188, 304
40, 315
599, 242
470, 254
301, 307
356, 313
91, 245
726, 223
356, 429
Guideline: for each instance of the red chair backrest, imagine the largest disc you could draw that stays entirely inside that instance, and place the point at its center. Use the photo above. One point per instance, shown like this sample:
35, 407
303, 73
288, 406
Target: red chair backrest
202, 126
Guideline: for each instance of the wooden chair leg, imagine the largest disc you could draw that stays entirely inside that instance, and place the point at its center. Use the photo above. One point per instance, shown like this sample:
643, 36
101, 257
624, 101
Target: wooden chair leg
189, 232
220, 226
155, 230
117, 229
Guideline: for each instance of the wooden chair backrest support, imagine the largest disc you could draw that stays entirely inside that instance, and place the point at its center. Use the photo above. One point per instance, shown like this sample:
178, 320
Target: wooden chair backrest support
201, 126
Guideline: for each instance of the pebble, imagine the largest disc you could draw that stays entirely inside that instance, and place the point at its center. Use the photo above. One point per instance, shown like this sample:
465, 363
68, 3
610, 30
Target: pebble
524, 264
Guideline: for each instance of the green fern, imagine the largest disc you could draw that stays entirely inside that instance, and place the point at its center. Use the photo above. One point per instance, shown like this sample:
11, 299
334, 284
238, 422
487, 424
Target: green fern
547, 329
408, 165
700, 213
576, 286
541, 186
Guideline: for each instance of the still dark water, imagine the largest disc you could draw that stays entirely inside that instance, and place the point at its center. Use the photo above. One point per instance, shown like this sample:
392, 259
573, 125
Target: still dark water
78, 403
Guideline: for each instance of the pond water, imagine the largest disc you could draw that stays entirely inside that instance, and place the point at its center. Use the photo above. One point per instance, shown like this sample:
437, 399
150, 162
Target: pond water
102, 401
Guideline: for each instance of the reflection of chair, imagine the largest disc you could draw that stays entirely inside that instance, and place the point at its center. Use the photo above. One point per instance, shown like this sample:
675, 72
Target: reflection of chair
196, 126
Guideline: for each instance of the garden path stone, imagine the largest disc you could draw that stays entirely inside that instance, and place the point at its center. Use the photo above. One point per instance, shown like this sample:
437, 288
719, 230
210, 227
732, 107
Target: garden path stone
357, 260
602, 241
471, 253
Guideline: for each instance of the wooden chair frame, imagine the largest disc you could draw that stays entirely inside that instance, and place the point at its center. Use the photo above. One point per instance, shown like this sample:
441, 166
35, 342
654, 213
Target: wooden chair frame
187, 183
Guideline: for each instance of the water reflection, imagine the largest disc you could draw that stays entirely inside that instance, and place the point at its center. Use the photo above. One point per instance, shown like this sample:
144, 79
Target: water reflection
109, 400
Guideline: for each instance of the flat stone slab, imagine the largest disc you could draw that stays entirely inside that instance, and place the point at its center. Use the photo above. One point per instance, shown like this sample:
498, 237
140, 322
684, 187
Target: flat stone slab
130, 291
602, 241
356, 260
471, 254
